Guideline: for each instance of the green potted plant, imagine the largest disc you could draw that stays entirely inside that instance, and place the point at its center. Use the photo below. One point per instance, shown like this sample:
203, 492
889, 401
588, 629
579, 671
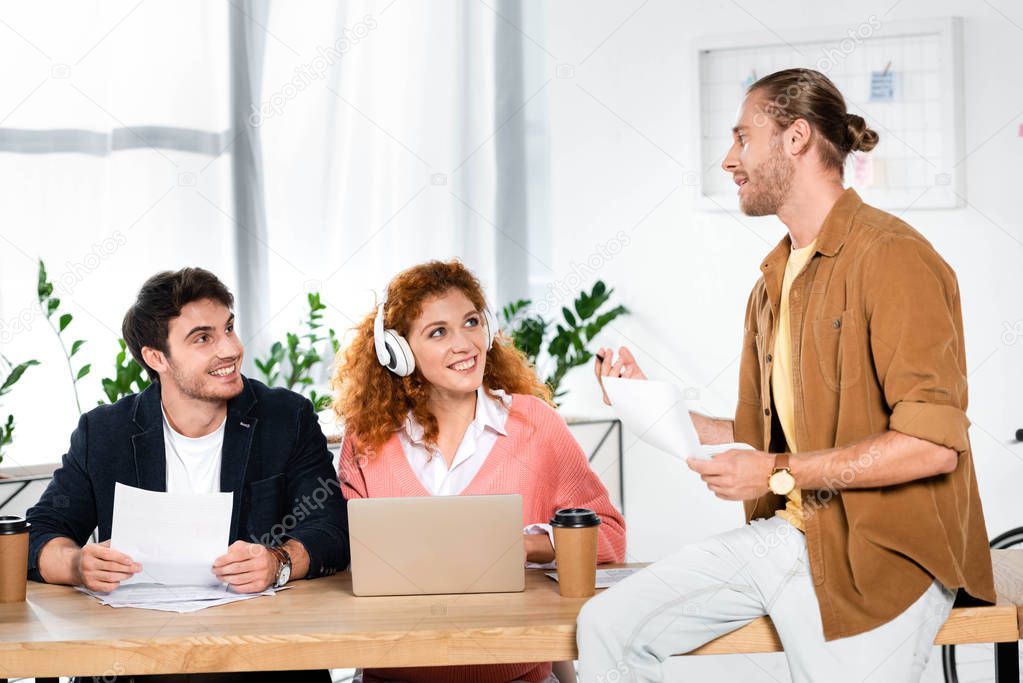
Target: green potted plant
557, 351
291, 364
129, 377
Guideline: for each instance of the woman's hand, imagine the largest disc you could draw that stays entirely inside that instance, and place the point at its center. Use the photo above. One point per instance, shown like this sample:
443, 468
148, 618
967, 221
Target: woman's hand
538, 548
605, 366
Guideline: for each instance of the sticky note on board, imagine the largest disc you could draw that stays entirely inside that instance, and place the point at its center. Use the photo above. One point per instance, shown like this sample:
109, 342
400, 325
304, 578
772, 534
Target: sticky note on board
882, 86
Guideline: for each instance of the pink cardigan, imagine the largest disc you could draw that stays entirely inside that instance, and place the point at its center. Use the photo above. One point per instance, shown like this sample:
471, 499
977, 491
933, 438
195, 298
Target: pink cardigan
539, 459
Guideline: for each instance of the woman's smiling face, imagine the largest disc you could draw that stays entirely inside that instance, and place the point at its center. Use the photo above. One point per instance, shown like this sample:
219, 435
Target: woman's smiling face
449, 342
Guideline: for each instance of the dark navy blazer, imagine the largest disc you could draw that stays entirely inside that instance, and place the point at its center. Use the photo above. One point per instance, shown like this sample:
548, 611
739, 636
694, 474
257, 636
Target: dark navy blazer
274, 459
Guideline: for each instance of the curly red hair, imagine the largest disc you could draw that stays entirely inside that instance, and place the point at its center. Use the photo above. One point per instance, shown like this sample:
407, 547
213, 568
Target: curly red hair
373, 402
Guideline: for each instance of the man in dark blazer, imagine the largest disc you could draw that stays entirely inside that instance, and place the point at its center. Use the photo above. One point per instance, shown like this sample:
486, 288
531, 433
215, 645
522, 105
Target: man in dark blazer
201, 427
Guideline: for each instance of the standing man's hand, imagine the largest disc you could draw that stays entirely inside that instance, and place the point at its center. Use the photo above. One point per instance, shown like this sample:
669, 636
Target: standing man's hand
736, 474
247, 567
101, 568
604, 365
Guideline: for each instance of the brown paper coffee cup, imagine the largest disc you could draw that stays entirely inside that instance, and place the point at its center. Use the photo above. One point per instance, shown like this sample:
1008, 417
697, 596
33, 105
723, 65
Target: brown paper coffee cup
13, 558
575, 549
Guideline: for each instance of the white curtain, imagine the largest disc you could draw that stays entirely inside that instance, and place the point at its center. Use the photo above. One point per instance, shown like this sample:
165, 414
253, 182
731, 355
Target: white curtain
381, 125
287, 147
112, 119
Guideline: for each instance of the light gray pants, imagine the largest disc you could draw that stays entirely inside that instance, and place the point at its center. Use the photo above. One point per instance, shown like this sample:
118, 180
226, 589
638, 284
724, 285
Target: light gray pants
360, 679
716, 586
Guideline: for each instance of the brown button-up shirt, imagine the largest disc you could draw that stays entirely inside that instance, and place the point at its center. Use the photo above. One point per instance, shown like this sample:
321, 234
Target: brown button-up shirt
877, 345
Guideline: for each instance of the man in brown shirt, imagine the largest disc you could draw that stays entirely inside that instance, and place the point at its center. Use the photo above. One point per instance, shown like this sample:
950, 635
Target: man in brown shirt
862, 502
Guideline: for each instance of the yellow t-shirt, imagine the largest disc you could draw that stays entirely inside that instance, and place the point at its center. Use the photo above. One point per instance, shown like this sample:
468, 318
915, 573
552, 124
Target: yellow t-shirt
781, 377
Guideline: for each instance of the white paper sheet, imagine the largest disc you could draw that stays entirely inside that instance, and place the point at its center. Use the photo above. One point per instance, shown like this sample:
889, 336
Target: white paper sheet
607, 577
172, 598
175, 537
657, 413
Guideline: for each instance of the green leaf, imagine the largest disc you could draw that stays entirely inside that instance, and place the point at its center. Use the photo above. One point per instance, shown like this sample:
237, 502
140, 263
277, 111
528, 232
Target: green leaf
7, 431
83, 372
65, 320
16, 373
44, 288
598, 298
558, 346
577, 343
605, 318
585, 306
51, 305
514, 308
335, 344
110, 388
569, 318
314, 302
78, 344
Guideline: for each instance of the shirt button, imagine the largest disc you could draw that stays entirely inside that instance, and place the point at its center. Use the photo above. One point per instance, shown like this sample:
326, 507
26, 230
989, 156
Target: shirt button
837, 324
769, 358
767, 411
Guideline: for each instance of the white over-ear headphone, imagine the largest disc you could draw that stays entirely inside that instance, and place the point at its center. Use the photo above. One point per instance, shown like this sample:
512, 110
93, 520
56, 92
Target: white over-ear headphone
394, 352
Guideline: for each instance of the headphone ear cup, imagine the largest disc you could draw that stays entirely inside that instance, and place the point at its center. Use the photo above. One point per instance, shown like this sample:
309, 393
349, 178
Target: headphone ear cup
491, 327
401, 361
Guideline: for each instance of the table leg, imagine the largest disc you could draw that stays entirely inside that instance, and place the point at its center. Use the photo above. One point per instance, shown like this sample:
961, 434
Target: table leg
1007, 662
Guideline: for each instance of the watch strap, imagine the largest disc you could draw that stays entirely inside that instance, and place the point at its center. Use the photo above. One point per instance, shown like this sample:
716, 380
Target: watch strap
781, 462
283, 560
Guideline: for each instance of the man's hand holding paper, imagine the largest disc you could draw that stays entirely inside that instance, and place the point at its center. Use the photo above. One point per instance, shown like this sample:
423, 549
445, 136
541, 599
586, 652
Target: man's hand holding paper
737, 473
658, 414
246, 567
102, 568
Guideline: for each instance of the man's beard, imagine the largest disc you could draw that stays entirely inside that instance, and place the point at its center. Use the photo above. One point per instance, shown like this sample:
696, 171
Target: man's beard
770, 183
196, 388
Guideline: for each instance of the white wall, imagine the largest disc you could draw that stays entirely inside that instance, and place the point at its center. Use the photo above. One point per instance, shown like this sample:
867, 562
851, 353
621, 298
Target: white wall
622, 139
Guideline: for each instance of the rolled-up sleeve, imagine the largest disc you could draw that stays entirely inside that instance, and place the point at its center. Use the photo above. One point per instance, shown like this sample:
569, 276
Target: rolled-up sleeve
916, 340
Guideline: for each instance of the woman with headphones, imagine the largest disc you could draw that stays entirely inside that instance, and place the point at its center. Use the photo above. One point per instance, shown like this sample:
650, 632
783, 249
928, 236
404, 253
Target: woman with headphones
433, 404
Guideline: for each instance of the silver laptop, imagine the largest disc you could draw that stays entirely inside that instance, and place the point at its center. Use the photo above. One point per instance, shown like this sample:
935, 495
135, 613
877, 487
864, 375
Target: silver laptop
437, 544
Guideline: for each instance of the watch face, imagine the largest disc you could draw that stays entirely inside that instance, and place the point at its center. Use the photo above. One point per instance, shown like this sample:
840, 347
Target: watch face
781, 482
284, 575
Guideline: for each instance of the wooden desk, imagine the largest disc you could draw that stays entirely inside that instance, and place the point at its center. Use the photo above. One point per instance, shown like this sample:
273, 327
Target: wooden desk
316, 624
319, 624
